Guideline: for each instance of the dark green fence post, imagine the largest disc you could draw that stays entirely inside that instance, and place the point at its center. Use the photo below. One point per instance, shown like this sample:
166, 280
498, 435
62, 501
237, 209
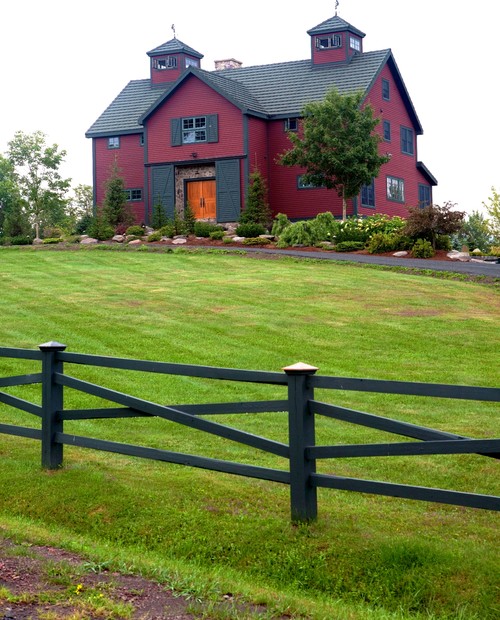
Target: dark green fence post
303, 495
52, 403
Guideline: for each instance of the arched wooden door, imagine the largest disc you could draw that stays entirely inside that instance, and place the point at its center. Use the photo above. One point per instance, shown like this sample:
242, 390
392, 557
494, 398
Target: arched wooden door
201, 197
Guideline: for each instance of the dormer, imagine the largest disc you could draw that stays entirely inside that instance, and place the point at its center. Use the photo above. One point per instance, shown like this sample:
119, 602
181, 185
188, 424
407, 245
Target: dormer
335, 41
169, 60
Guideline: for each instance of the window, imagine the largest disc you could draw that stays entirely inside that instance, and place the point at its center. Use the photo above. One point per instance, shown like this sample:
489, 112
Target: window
114, 142
194, 129
191, 62
395, 189
386, 91
169, 62
324, 43
133, 195
301, 184
407, 141
291, 124
141, 139
387, 131
368, 195
424, 196
355, 44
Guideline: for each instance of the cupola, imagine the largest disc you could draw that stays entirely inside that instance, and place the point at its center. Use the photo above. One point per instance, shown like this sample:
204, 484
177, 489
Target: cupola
335, 41
169, 60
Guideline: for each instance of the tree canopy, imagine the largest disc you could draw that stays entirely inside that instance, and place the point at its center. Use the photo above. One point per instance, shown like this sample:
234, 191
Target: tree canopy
337, 145
37, 175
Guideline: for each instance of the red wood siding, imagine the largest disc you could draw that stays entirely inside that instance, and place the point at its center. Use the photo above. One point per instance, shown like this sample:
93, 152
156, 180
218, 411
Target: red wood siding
194, 98
130, 160
258, 148
284, 195
401, 166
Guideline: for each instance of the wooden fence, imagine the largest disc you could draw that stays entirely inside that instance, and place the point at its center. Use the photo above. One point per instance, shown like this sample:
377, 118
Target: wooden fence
298, 380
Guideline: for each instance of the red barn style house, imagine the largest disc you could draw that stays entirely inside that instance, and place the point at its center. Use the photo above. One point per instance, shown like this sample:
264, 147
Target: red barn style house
190, 135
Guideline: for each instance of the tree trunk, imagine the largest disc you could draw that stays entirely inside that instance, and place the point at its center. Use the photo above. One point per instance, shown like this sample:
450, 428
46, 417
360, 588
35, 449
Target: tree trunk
344, 206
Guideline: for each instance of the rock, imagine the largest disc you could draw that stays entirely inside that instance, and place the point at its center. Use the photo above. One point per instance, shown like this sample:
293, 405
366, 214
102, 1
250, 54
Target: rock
464, 257
135, 242
402, 253
179, 237
179, 240
37, 241
88, 240
269, 237
238, 239
118, 238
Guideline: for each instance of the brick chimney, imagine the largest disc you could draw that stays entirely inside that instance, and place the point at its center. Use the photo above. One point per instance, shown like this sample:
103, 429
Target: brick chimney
227, 63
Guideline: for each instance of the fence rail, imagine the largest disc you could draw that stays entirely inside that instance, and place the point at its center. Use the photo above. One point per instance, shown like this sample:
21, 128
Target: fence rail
301, 452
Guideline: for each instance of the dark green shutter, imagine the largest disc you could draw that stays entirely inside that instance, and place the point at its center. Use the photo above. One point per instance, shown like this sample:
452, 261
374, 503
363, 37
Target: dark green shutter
227, 174
175, 132
212, 128
163, 189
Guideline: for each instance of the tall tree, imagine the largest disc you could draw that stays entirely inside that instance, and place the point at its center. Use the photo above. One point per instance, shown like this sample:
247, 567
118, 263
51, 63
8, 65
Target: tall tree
41, 186
493, 208
337, 145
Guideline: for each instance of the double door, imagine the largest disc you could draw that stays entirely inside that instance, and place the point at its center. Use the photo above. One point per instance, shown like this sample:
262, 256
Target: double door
201, 197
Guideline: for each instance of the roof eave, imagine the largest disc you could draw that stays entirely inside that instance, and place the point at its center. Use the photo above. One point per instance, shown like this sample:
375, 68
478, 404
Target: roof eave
427, 173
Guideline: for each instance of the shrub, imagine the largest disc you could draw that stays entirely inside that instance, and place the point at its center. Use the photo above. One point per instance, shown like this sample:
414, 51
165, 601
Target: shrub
52, 232
382, 242
155, 236
298, 233
250, 229
431, 221
136, 231
17, 240
443, 242
50, 240
349, 246
217, 235
83, 224
281, 221
168, 230
325, 226
422, 249
495, 250
100, 229
203, 229
256, 241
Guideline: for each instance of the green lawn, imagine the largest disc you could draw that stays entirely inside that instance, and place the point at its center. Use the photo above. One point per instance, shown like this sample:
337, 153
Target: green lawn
207, 534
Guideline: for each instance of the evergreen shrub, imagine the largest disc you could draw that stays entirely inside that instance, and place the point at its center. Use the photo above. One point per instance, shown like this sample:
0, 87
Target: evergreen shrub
136, 231
422, 249
349, 246
250, 229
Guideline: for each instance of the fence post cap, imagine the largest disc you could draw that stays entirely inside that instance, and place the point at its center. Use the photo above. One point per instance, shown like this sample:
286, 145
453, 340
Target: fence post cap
52, 346
300, 369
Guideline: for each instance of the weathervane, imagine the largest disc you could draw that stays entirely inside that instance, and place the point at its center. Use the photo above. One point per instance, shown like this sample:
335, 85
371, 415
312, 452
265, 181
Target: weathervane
336, 7
173, 28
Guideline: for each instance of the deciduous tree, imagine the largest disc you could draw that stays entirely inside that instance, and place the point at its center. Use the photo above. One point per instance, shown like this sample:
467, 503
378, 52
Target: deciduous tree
337, 145
433, 220
38, 178
493, 208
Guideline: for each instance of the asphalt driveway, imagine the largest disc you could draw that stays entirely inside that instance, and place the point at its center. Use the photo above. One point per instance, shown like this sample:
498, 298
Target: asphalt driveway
479, 268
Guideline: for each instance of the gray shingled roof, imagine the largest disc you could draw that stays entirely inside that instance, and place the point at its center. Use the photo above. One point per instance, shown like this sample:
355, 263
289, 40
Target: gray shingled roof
335, 24
174, 46
122, 115
275, 90
284, 88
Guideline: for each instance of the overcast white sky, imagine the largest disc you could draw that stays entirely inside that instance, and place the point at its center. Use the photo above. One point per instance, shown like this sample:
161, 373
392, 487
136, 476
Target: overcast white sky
62, 63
